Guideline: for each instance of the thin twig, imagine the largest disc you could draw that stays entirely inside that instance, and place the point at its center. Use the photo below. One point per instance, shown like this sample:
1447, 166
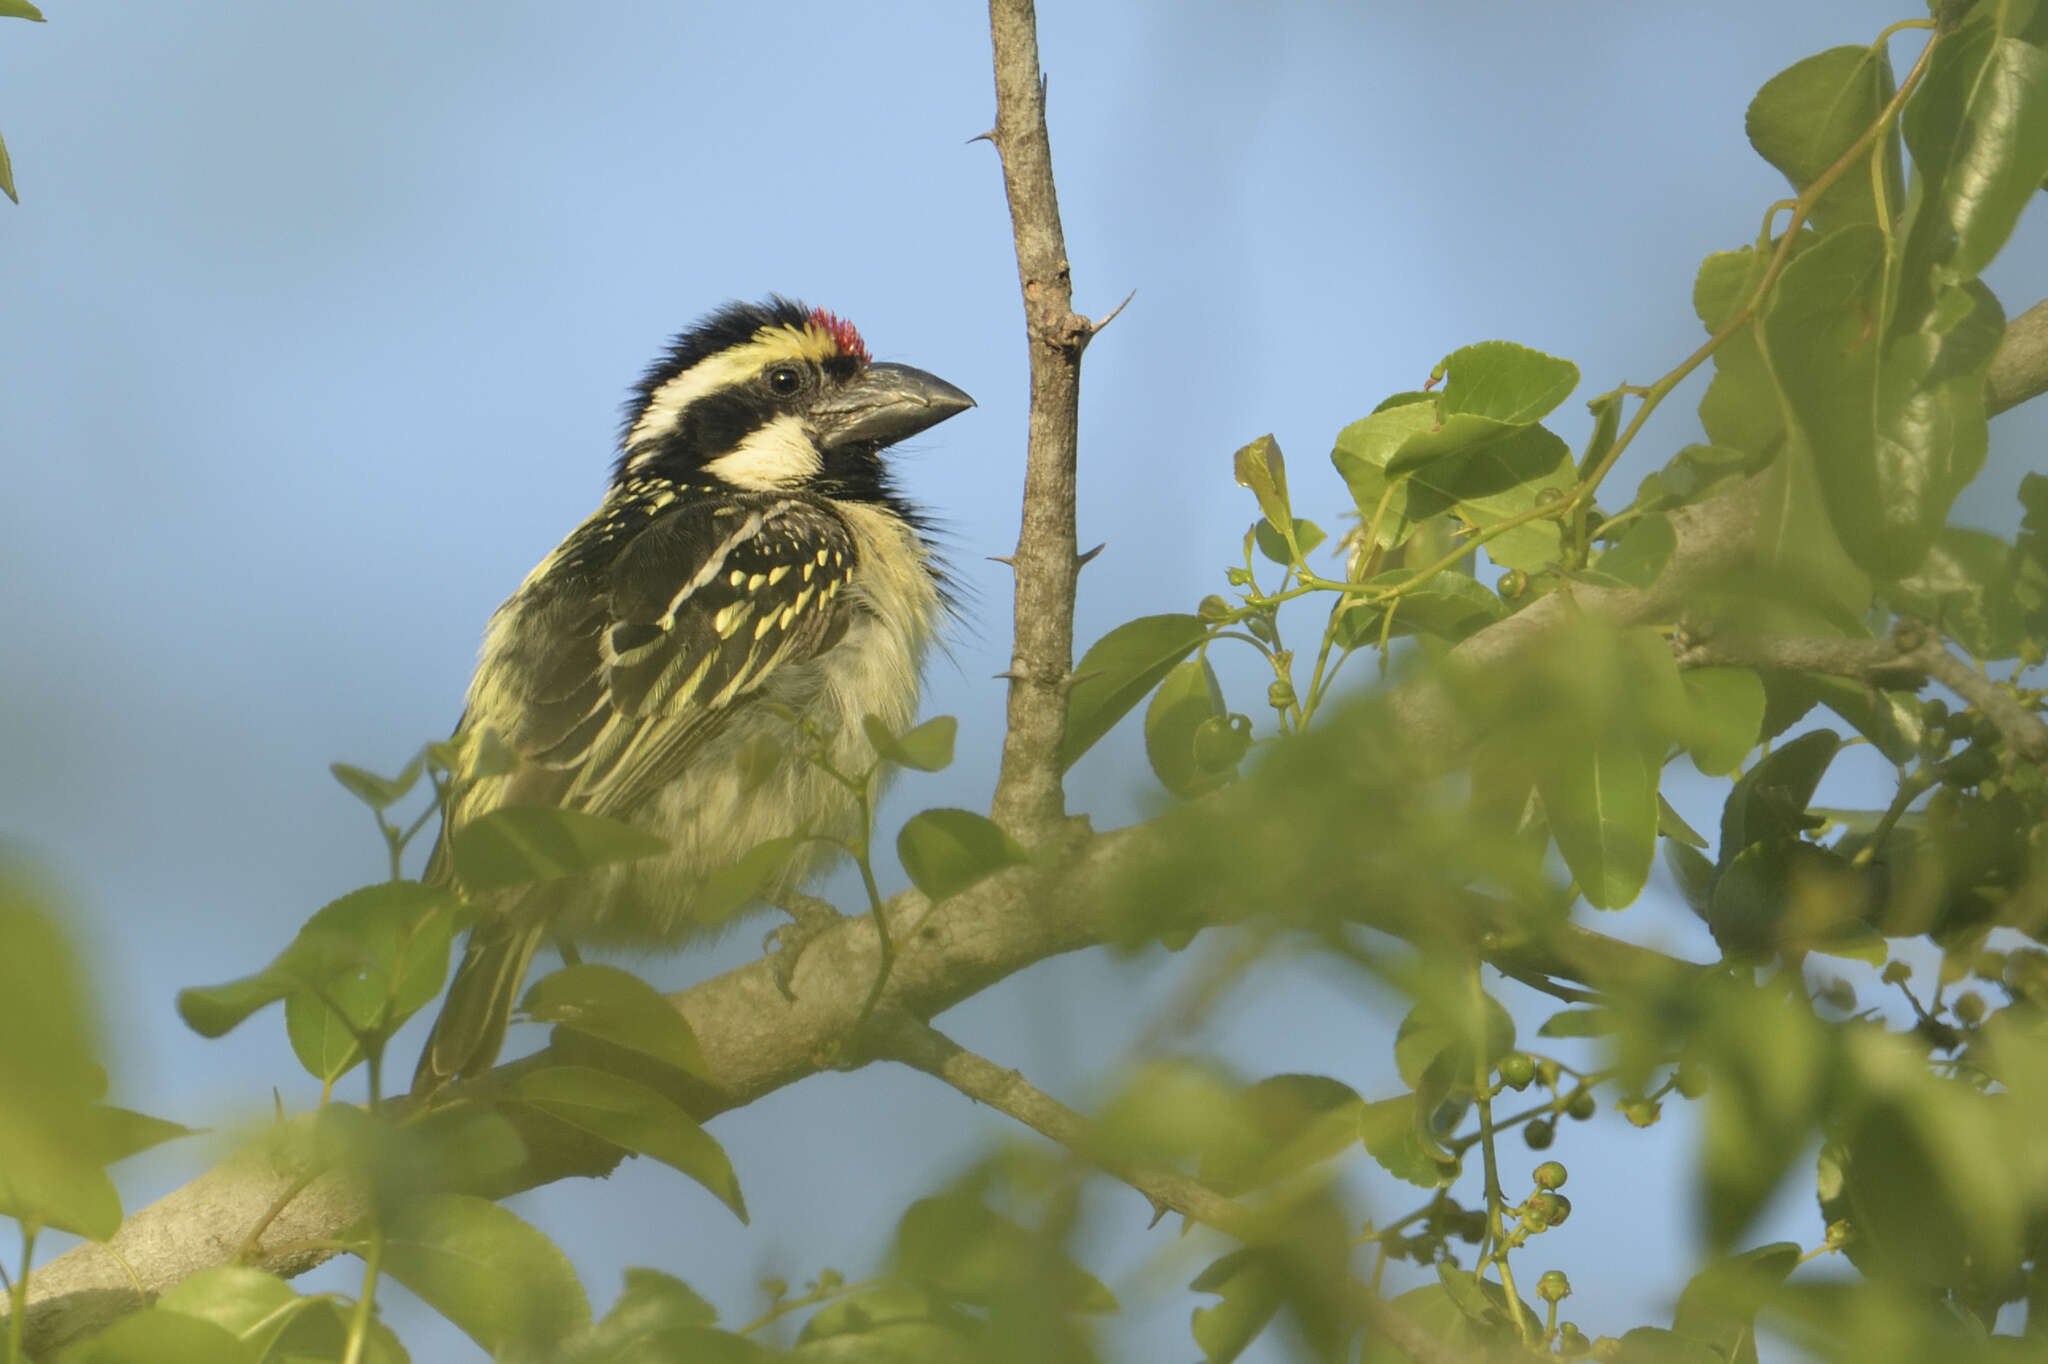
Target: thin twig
1029, 800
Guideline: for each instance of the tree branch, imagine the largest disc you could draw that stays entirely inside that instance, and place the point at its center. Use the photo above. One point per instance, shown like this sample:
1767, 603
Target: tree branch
2020, 369
1913, 653
1028, 799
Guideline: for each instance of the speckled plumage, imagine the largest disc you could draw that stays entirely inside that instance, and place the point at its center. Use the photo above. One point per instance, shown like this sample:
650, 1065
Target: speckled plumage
750, 550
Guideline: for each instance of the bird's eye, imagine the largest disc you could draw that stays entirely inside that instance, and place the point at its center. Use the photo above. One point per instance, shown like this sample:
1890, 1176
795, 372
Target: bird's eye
785, 379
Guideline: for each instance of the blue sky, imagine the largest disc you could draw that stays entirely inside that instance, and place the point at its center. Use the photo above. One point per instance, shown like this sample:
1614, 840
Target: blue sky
317, 320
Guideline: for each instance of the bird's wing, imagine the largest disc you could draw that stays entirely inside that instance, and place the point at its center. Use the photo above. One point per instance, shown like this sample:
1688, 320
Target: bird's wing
625, 669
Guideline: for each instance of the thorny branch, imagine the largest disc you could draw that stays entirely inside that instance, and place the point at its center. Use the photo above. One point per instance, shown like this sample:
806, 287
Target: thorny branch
1029, 800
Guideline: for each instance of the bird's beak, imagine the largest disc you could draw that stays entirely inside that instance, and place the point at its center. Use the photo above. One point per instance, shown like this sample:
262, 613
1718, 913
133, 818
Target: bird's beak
885, 404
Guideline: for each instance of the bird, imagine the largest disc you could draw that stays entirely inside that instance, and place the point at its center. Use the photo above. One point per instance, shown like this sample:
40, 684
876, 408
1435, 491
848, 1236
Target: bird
752, 573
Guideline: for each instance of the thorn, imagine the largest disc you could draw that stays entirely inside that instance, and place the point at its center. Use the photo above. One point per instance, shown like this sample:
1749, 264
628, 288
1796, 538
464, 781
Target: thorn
1159, 1211
1006, 677
1094, 327
1086, 556
988, 137
1003, 559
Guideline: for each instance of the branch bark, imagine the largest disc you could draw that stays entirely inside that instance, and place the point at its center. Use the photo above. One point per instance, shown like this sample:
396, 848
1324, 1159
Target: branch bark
1029, 800
1912, 653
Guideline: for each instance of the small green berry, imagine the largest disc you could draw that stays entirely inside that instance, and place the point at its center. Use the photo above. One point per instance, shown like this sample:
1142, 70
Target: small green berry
1581, 1105
1213, 608
1538, 1134
1550, 1174
1553, 1286
1969, 1008
1547, 1071
1280, 696
1642, 1112
1571, 1342
1897, 973
1691, 1079
1512, 584
1517, 1070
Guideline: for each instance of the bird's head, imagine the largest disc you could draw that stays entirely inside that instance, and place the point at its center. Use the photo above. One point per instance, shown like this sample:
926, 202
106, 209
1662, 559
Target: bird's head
778, 397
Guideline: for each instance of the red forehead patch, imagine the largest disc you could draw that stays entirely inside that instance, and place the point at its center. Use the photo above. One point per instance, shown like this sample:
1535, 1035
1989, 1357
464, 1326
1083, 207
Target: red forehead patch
842, 332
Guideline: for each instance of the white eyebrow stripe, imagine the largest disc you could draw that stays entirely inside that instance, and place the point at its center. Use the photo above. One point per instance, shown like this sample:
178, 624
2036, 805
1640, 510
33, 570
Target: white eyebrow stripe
665, 406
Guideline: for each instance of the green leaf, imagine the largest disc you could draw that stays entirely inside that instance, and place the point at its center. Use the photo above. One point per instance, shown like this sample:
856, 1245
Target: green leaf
656, 1300
1505, 382
945, 851
1824, 352
1767, 1057
20, 9
1447, 606
617, 1006
54, 1134
1272, 544
1601, 796
1119, 670
1809, 114
928, 748
1483, 468
255, 1307
518, 845
1639, 557
504, 1284
1719, 1305
323, 1041
1451, 1030
1785, 894
727, 890
1693, 873
972, 1253
1979, 140
1260, 467
1186, 700
375, 791
1252, 1285
7, 173
1672, 825
628, 1114
1926, 1169
123, 1133
1393, 1133
1771, 798
394, 933
1727, 715
1302, 1121
156, 1335
1594, 1022
1966, 586
891, 1321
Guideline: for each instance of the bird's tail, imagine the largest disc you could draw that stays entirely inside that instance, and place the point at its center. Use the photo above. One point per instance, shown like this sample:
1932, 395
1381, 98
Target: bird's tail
471, 1028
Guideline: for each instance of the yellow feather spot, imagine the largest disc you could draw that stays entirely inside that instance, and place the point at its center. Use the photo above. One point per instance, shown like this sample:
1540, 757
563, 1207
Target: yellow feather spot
736, 577
822, 553
777, 574
809, 569
765, 624
727, 616
755, 583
